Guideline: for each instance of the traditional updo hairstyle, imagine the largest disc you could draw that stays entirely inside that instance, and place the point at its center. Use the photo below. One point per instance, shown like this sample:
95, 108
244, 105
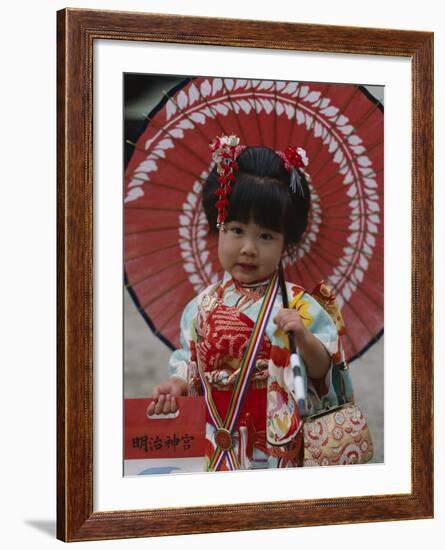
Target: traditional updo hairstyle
262, 193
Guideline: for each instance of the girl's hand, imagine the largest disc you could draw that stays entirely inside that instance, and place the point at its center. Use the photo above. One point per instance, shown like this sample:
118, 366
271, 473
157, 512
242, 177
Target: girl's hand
164, 396
314, 354
289, 320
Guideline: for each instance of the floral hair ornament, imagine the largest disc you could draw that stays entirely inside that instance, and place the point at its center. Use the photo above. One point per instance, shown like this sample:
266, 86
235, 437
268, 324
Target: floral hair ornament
225, 150
295, 158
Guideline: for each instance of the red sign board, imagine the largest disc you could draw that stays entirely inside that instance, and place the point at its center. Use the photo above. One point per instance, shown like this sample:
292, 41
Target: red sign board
164, 436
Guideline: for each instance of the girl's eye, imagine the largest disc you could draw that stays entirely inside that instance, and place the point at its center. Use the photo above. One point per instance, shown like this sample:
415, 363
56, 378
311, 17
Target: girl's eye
236, 230
266, 236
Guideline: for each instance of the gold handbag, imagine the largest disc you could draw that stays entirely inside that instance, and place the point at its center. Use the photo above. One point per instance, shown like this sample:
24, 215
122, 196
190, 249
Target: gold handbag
336, 436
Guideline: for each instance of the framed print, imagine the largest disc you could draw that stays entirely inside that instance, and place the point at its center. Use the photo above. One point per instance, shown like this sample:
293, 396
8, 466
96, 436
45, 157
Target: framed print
358, 103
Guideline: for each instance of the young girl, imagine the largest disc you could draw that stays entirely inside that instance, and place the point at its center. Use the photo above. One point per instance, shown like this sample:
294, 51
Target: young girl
236, 336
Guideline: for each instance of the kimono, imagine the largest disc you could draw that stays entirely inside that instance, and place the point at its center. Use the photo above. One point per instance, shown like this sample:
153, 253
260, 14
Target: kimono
215, 330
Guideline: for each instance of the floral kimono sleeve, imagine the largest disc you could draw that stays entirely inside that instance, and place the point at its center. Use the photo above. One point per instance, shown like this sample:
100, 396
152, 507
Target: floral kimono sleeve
320, 392
180, 358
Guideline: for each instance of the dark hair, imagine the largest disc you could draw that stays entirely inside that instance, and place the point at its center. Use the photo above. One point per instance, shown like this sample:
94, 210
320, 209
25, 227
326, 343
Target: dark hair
261, 193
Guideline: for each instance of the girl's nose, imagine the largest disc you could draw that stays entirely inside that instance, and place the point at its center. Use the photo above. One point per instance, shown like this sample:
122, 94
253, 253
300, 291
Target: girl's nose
249, 248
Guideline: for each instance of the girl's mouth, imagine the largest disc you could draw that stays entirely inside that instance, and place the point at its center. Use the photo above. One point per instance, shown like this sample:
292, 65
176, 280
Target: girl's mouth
247, 267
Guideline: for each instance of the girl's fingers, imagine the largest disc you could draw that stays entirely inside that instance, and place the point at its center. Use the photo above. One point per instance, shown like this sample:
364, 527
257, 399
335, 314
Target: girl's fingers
160, 404
166, 409
166, 404
282, 321
158, 390
288, 323
164, 401
286, 314
173, 404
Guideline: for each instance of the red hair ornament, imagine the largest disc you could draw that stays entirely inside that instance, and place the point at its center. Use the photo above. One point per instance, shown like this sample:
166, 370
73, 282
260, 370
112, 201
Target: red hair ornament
225, 150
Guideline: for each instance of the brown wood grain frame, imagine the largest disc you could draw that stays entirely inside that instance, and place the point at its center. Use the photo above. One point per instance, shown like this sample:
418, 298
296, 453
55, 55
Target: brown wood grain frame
77, 31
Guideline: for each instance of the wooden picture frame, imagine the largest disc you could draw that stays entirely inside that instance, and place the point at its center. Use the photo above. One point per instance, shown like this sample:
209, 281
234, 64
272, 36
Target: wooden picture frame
77, 31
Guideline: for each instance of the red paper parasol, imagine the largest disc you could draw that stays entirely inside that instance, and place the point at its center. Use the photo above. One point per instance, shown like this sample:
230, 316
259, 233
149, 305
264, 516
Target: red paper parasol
169, 256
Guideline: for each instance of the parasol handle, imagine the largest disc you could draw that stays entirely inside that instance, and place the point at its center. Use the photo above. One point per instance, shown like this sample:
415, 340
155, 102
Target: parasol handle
299, 388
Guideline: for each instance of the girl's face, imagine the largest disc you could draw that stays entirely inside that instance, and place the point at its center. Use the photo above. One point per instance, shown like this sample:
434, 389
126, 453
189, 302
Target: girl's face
249, 252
